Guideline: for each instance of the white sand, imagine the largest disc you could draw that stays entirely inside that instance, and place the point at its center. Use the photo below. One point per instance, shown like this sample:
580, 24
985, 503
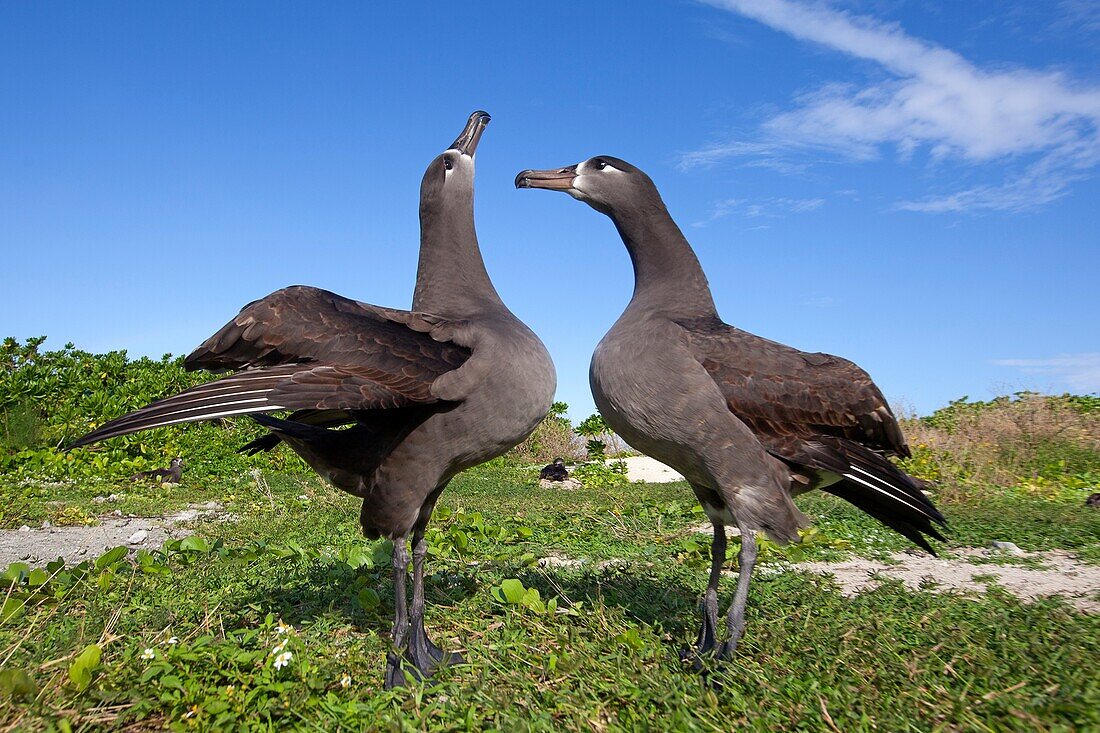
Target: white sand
650, 470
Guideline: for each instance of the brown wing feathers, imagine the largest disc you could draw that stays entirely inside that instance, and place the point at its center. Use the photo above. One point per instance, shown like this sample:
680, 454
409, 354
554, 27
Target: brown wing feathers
819, 412
303, 349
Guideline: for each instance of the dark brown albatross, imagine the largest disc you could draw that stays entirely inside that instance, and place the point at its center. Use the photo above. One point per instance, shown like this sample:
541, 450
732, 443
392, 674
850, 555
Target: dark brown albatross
454, 382
749, 422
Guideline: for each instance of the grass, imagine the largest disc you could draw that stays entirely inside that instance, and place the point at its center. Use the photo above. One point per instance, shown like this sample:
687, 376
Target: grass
889, 659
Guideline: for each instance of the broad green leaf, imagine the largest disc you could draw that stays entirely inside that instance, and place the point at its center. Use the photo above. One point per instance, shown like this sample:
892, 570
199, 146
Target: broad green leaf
357, 557
17, 683
110, 557
17, 571
194, 544
369, 599
513, 590
80, 671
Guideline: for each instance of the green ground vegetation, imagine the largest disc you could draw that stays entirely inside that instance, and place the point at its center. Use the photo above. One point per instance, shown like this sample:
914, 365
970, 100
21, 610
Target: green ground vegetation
276, 614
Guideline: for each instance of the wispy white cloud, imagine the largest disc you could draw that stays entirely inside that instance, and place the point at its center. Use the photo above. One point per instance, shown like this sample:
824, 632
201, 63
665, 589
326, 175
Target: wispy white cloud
767, 208
1081, 372
1041, 127
1081, 15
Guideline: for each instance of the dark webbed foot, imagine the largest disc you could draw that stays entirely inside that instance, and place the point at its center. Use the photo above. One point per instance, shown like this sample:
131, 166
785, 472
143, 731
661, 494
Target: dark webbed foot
726, 650
395, 671
419, 662
706, 641
426, 655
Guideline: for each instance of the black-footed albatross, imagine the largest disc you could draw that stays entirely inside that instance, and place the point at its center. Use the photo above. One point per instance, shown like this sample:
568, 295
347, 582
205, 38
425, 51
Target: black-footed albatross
170, 475
452, 383
555, 471
749, 422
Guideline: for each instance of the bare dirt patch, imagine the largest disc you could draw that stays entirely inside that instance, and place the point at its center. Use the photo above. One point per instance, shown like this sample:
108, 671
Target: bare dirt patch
1058, 573
650, 470
75, 544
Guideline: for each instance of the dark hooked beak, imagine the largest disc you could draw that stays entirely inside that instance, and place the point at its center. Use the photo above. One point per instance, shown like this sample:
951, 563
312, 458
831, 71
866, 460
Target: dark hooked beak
466, 143
559, 179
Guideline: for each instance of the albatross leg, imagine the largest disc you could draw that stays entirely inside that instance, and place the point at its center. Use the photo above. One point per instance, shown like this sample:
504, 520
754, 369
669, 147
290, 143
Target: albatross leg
395, 676
422, 651
708, 631
735, 621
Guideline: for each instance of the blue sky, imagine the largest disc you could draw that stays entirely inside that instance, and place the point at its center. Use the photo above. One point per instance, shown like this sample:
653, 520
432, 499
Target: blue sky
911, 185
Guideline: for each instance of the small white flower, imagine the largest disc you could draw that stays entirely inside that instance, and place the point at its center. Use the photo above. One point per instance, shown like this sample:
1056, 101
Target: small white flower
148, 654
279, 647
283, 628
345, 681
174, 640
282, 660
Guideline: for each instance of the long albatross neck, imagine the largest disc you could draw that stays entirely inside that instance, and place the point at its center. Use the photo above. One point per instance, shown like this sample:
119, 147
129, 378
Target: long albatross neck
451, 278
667, 274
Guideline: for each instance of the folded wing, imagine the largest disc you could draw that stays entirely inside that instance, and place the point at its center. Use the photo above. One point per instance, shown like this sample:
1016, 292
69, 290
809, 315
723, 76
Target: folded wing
818, 412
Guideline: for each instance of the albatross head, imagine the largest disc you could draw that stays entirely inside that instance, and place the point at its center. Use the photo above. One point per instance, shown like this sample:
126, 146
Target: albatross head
452, 171
605, 183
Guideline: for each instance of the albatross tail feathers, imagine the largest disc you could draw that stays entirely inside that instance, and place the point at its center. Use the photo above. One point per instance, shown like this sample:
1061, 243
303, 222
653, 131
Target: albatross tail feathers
240, 394
322, 418
888, 494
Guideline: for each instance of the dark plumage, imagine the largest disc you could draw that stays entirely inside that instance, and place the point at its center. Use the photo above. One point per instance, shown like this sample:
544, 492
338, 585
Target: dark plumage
1093, 500
555, 471
170, 475
427, 393
749, 422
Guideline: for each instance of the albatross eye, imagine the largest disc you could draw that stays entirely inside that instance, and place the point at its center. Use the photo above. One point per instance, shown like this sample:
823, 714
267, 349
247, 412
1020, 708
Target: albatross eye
600, 164
447, 163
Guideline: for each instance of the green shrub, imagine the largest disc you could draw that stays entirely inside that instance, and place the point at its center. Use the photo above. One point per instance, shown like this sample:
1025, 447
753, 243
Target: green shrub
50, 398
598, 475
1022, 439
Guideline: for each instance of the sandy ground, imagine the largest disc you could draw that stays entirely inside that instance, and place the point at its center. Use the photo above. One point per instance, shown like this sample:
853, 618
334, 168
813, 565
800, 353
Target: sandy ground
1050, 573
1060, 574
1028, 575
650, 470
42, 545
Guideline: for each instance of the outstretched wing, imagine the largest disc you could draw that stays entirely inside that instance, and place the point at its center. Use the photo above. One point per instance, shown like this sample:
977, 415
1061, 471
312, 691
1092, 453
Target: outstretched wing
301, 324
303, 348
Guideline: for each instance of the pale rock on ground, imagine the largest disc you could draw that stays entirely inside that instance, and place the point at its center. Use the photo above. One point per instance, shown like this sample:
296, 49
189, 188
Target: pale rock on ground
1060, 573
568, 484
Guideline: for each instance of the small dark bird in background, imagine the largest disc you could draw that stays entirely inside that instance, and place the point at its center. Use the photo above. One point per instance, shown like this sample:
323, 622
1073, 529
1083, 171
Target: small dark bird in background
170, 475
1093, 500
555, 471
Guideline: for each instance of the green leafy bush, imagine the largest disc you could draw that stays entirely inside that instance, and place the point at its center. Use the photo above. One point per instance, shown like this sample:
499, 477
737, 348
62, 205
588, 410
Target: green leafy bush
599, 474
553, 438
1025, 438
49, 398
